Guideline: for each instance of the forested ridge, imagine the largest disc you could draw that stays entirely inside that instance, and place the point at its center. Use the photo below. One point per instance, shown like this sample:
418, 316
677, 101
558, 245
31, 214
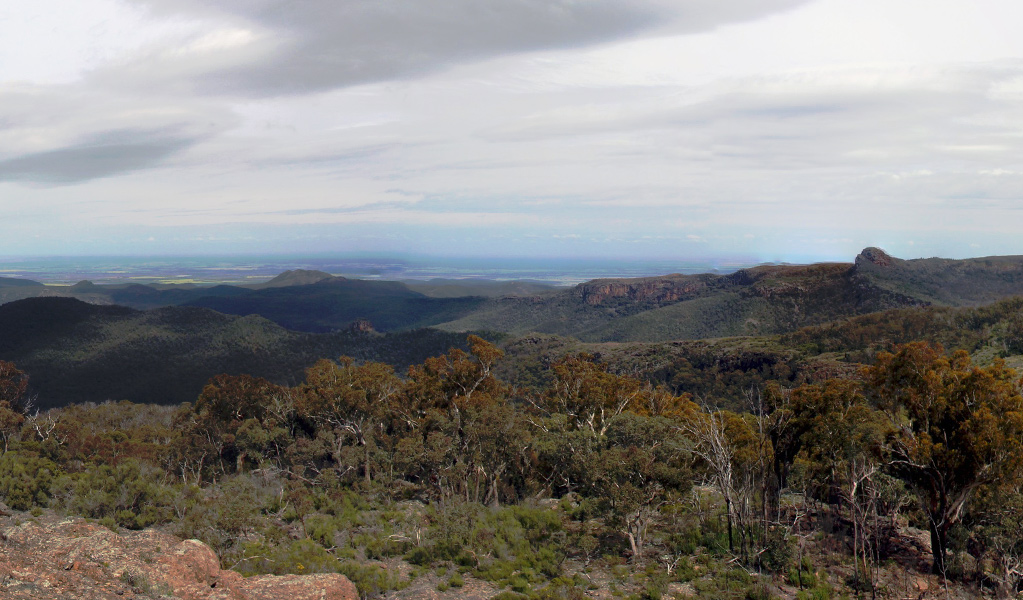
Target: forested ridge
582, 480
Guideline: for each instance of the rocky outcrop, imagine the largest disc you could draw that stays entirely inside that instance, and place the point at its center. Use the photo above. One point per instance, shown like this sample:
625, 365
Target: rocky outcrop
657, 290
50, 557
361, 326
874, 256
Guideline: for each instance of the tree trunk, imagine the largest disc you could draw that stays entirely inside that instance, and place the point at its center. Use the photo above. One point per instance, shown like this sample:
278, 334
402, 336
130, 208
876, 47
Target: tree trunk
939, 542
495, 501
368, 477
728, 513
632, 544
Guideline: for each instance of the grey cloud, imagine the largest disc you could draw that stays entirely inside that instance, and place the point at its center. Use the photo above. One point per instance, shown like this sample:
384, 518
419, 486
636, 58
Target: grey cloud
943, 121
325, 44
98, 156
352, 157
344, 210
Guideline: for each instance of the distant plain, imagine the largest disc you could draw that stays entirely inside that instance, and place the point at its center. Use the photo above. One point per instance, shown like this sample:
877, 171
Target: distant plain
242, 269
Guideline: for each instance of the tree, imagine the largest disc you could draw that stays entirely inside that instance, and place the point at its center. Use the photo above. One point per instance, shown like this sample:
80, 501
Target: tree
998, 535
644, 464
735, 453
454, 409
959, 427
13, 384
587, 394
352, 402
224, 406
843, 445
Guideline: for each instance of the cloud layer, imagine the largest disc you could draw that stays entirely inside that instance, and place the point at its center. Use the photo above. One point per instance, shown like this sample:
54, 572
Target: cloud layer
788, 129
283, 47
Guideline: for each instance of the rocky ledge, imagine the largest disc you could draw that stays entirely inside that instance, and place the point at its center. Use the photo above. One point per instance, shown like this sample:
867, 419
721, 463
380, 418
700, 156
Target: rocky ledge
70, 558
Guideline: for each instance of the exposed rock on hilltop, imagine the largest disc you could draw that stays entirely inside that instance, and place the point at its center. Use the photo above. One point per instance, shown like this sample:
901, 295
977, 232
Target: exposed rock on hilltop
657, 290
71, 558
874, 256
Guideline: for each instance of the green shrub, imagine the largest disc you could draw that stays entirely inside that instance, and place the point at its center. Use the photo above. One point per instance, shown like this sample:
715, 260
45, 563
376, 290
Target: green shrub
26, 480
802, 578
777, 554
519, 584
377, 549
371, 580
299, 557
419, 556
560, 591
495, 570
821, 591
129, 493
321, 529
759, 591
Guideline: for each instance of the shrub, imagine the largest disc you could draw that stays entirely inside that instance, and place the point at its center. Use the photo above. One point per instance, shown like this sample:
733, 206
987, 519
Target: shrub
128, 493
26, 481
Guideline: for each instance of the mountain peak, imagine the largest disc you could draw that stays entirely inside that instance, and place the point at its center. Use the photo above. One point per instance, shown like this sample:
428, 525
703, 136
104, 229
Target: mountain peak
875, 256
297, 277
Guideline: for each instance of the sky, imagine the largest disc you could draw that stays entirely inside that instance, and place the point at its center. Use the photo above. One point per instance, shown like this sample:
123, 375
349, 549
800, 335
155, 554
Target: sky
763, 130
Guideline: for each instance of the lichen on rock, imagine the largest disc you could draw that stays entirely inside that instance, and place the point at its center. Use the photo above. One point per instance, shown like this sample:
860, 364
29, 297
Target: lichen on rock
51, 557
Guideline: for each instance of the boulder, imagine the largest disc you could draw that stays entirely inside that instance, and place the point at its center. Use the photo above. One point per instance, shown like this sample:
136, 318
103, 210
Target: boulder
51, 557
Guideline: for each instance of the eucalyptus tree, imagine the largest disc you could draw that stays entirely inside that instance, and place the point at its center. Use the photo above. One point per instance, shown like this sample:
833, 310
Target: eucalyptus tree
959, 427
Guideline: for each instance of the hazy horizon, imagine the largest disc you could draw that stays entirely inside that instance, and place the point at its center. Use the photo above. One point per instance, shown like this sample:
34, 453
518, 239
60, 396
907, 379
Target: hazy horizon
256, 268
259, 268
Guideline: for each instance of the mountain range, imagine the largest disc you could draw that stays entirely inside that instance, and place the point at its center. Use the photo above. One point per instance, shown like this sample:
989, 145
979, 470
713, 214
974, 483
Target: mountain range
160, 343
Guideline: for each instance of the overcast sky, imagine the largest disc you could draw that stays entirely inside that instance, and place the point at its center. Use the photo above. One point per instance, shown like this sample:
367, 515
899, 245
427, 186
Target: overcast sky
794, 130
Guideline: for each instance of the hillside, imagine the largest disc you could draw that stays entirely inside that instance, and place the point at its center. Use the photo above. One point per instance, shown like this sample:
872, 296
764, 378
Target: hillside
454, 288
940, 281
310, 301
76, 352
720, 370
758, 301
12, 289
764, 300
597, 486
336, 302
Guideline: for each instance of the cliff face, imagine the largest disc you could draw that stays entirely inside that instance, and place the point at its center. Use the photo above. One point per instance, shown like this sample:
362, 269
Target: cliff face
53, 558
655, 290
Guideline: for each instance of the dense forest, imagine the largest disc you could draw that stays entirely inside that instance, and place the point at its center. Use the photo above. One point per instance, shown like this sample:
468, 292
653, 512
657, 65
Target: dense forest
579, 479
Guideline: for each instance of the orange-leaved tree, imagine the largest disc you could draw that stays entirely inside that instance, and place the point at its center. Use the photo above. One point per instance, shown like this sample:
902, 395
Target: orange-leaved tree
959, 427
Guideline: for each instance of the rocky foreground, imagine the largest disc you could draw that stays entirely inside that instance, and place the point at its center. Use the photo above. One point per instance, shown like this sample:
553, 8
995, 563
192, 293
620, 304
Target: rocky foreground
70, 558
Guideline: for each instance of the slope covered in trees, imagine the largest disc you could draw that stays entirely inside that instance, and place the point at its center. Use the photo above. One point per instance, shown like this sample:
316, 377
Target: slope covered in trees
334, 303
77, 352
590, 480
